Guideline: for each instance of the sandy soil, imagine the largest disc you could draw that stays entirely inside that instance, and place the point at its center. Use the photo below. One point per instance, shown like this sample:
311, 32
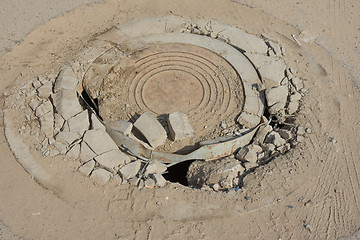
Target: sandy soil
310, 193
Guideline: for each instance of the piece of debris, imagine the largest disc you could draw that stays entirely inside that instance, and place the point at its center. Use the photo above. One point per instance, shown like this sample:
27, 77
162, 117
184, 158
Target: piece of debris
179, 126
87, 167
100, 176
130, 170
112, 160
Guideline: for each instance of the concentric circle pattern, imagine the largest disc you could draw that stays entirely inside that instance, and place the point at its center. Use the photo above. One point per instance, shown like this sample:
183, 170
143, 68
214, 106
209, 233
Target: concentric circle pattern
170, 78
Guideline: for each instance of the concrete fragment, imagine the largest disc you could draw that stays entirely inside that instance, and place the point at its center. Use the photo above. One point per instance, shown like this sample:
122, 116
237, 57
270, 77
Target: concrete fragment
112, 160
250, 165
155, 167
293, 107
134, 181
79, 123
86, 153
179, 126
160, 181
67, 79
54, 152
100, 176
58, 122
275, 139
36, 84
149, 182
295, 97
298, 83
151, 129
67, 137
276, 94
130, 170
222, 172
99, 141
300, 130
276, 108
87, 167
43, 109
67, 103
96, 124
47, 124
249, 153
120, 126
74, 152
33, 104
262, 132
62, 148
248, 120
45, 90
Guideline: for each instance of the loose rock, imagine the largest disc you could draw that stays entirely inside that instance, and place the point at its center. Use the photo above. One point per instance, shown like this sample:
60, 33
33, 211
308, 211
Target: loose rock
67, 103
130, 170
120, 126
155, 167
276, 94
293, 107
159, 179
275, 139
112, 160
67, 79
152, 130
179, 126
100, 176
99, 141
248, 120
79, 123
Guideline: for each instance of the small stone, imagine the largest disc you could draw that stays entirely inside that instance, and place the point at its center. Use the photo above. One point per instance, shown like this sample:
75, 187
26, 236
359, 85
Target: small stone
149, 182
308, 130
298, 83
43, 109
295, 97
151, 129
100, 176
309, 227
96, 124
79, 123
134, 181
293, 107
179, 126
85, 152
112, 160
120, 126
130, 170
300, 130
249, 153
285, 134
269, 147
155, 167
99, 141
275, 139
276, 94
45, 90
87, 167
248, 120
159, 179
67, 103
67, 79
216, 187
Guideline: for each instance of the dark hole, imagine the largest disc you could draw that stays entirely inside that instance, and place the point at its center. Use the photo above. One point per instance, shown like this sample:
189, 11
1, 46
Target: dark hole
93, 103
177, 173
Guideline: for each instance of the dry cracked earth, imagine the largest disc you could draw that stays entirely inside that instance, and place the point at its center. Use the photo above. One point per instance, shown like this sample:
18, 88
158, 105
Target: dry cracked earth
310, 192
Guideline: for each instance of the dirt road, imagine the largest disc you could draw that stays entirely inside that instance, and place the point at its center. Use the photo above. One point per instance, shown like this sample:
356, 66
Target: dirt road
310, 193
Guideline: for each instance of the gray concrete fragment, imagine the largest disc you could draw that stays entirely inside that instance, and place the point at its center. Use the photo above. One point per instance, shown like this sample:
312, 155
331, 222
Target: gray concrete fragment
87, 167
222, 172
293, 107
249, 153
262, 132
67, 79
79, 123
58, 122
96, 124
62, 148
179, 126
276, 94
130, 170
67, 137
150, 182
99, 141
276, 108
67, 103
43, 109
155, 167
295, 97
160, 181
36, 84
74, 152
86, 153
100, 176
47, 124
33, 104
151, 129
275, 139
248, 120
45, 90
298, 83
112, 160
121, 126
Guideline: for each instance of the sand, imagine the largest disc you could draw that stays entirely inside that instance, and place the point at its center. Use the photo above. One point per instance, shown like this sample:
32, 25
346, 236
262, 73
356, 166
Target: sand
310, 193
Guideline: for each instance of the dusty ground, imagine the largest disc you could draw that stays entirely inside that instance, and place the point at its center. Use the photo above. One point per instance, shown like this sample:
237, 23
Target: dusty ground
311, 193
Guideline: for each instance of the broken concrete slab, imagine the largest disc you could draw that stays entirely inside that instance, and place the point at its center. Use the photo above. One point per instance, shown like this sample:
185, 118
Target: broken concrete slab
120, 126
58, 122
275, 139
44, 108
67, 79
74, 152
160, 181
276, 94
99, 141
112, 160
45, 90
96, 124
100, 176
67, 137
277, 108
47, 124
87, 167
67, 103
155, 167
86, 153
262, 132
79, 123
298, 83
130, 170
249, 153
293, 107
179, 126
295, 97
151, 129
248, 120
222, 172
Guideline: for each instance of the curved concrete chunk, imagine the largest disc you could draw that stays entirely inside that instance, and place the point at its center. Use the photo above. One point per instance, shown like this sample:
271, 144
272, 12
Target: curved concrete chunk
67, 103
112, 160
248, 120
99, 141
67, 79
150, 127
